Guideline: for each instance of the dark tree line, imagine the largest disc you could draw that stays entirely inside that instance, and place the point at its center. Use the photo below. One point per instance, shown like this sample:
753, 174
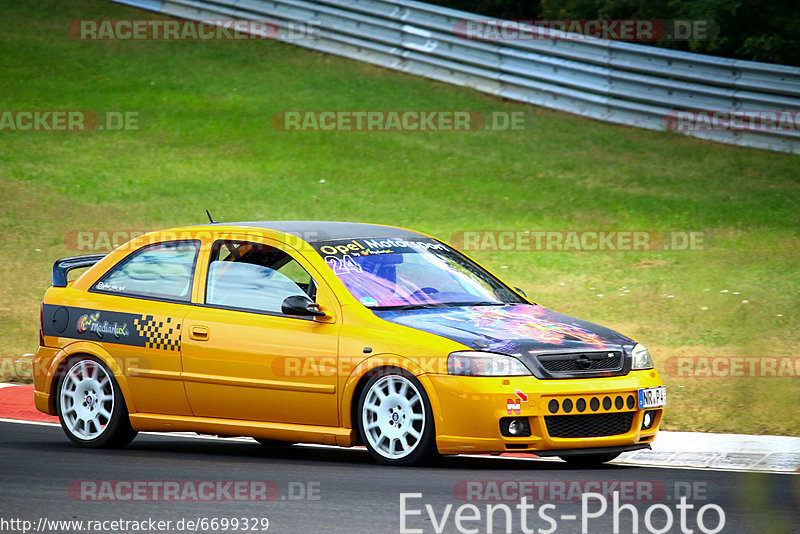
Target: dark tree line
757, 30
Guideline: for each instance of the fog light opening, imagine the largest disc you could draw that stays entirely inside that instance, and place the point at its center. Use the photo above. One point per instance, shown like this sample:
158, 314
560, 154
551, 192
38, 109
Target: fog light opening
515, 427
649, 419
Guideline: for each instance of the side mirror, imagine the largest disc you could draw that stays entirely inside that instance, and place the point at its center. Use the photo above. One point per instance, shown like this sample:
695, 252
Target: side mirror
521, 292
301, 306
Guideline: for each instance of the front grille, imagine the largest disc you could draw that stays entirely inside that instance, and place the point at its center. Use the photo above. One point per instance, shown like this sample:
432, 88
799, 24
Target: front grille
582, 362
588, 425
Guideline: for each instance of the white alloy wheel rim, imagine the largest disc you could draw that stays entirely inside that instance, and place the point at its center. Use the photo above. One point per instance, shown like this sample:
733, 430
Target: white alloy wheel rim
87, 400
393, 417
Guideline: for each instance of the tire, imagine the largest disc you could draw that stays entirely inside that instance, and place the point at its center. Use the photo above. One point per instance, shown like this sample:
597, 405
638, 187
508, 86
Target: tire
589, 460
395, 420
90, 405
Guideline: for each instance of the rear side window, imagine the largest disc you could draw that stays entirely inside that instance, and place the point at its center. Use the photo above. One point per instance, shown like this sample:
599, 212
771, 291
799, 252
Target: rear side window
162, 271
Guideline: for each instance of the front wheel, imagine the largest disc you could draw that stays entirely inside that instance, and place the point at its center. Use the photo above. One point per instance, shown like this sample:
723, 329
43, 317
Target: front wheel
396, 420
589, 460
90, 405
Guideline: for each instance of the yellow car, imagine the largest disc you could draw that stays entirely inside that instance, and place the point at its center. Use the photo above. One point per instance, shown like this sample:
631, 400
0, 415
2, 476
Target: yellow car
334, 333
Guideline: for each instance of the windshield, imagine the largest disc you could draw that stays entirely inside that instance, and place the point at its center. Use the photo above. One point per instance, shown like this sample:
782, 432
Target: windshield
418, 273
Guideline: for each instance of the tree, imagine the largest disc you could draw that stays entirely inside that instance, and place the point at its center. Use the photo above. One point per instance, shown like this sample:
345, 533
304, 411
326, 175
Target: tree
756, 30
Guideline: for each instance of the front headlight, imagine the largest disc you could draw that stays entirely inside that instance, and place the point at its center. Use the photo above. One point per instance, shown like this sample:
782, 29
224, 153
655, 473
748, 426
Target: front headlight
476, 363
642, 358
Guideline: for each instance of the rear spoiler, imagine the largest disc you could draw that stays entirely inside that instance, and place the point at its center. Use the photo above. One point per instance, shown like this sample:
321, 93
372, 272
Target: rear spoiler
65, 265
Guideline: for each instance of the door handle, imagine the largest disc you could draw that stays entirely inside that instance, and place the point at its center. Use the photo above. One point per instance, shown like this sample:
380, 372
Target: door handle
198, 333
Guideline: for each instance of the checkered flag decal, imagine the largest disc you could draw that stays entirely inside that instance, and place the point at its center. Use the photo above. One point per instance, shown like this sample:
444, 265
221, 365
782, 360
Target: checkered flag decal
160, 333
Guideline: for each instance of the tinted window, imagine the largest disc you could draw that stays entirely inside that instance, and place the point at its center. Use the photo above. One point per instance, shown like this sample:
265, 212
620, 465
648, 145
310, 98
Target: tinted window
159, 271
254, 276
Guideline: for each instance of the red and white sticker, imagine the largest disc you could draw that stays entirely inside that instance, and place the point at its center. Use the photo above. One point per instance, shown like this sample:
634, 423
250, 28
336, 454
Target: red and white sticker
513, 407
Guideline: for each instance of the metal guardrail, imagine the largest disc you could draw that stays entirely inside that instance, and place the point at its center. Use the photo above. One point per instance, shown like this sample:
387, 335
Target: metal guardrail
607, 80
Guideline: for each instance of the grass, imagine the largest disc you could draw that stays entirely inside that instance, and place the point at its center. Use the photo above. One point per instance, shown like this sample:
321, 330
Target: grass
205, 141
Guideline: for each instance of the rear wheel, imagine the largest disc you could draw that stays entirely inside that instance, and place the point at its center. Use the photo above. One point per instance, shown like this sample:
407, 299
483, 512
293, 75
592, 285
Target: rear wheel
589, 460
90, 405
396, 421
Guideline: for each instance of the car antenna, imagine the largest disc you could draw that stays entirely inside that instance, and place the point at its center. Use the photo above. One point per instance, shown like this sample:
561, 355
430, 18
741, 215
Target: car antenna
212, 221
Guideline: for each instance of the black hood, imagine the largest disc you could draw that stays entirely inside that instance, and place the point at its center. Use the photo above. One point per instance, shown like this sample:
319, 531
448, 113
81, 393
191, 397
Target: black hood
521, 330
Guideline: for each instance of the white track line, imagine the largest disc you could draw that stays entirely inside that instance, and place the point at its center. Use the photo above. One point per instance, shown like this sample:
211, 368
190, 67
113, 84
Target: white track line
186, 435
673, 450
23, 422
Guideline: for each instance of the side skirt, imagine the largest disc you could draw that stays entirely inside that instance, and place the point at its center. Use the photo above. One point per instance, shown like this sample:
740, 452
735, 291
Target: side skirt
325, 435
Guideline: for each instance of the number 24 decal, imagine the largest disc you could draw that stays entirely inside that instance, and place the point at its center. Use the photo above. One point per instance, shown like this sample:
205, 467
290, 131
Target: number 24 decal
343, 265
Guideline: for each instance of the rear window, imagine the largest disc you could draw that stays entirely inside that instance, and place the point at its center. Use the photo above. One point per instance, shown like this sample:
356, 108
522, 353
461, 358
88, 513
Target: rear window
162, 271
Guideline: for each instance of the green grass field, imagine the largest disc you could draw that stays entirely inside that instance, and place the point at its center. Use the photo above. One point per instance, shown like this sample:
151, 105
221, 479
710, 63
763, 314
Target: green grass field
205, 141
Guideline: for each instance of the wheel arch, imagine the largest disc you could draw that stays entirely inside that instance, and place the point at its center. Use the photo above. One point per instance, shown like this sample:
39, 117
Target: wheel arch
86, 348
360, 375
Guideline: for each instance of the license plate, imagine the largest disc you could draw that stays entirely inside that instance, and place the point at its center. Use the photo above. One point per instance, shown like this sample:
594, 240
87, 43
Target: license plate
653, 397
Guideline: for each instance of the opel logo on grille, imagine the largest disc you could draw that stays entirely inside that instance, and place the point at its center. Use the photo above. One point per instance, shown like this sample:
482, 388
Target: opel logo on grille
584, 362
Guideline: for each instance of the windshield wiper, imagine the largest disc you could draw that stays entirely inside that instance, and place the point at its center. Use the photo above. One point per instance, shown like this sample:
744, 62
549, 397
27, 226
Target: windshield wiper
480, 303
431, 305
410, 306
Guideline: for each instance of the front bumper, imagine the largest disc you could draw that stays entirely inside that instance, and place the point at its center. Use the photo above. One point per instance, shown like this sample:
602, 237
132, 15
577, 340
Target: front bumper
468, 412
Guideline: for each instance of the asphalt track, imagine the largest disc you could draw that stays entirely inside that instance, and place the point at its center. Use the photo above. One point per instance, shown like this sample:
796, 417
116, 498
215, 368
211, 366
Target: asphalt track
40, 471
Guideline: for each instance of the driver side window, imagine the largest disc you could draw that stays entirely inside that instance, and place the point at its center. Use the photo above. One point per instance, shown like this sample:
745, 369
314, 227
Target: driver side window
254, 277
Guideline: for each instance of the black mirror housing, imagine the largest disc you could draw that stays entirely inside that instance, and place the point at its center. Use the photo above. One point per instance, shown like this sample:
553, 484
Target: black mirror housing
301, 306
